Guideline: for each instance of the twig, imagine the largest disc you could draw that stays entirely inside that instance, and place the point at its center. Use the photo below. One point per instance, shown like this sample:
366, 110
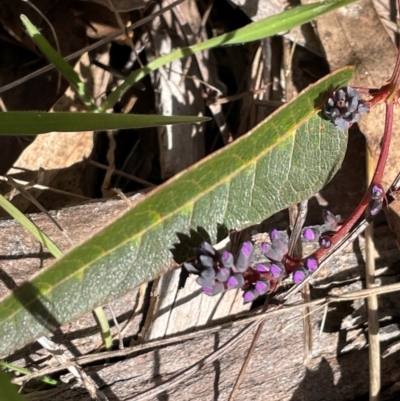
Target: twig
194, 368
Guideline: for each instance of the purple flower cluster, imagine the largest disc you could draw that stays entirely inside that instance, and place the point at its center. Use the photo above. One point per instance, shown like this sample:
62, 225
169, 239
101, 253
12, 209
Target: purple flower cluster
345, 107
320, 234
219, 271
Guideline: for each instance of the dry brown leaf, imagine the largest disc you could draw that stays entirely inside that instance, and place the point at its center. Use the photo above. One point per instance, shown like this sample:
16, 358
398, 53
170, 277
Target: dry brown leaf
346, 36
63, 154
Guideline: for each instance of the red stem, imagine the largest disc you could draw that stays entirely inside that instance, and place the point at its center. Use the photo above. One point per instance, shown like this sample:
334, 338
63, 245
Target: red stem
376, 179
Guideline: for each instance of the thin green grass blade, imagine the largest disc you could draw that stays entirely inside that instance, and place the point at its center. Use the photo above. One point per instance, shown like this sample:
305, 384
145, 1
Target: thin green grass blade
66, 70
254, 31
15, 368
287, 158
35, 122
31, 227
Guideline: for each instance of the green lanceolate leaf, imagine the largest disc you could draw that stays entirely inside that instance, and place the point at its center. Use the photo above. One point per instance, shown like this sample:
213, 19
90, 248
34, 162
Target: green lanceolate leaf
66, 69
35, 122
254, 31
286, 158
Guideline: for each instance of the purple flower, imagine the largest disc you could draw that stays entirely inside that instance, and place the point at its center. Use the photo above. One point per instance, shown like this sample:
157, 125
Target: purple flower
325, 242
227, 259
271, 252
235, 281
246, 256
262, 286
311, 234
331, 221
277, 270
377, 192
223, 274
216, 289
250, 295
375, 206
311, 264
263, 268
299, 275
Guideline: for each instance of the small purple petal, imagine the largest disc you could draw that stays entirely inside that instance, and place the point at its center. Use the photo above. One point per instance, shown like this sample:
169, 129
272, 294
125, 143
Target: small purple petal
311, 234
274, 234
271, 252
262, 268
299, 275
277, 270
247, 249
250, 295
377, 192
223, 274
375, 206
206, 261
325, 242
190, 268
262, 286
208, 290
235, 281
205, 281
311, 264
216, 289
330, 219
209, 273
227, 259
208, 248
245, 258
281, 244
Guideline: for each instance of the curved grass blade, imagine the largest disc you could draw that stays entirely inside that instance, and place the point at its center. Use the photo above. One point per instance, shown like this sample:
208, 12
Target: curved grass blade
30, 226
35, 122
285, 159
66, 70
254, 31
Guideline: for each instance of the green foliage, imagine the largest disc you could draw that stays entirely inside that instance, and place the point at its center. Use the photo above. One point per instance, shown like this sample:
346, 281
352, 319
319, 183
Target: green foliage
254, 31
287, 158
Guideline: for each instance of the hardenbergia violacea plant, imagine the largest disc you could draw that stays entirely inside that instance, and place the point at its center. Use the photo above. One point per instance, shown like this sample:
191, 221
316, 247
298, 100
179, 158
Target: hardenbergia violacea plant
221, 271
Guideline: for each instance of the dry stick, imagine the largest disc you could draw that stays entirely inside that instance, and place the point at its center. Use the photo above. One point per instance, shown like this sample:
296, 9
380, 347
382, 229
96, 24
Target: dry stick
44, 188
86, 49
74, 368
244, 319
372, 304
123, 174
194, 368
23, 191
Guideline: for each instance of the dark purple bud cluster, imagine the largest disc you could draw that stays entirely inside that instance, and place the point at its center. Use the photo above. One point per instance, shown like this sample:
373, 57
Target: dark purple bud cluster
344, 107
377, 195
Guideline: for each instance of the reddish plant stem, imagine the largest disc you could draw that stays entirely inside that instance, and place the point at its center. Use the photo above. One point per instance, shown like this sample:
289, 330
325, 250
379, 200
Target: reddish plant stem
376, 179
